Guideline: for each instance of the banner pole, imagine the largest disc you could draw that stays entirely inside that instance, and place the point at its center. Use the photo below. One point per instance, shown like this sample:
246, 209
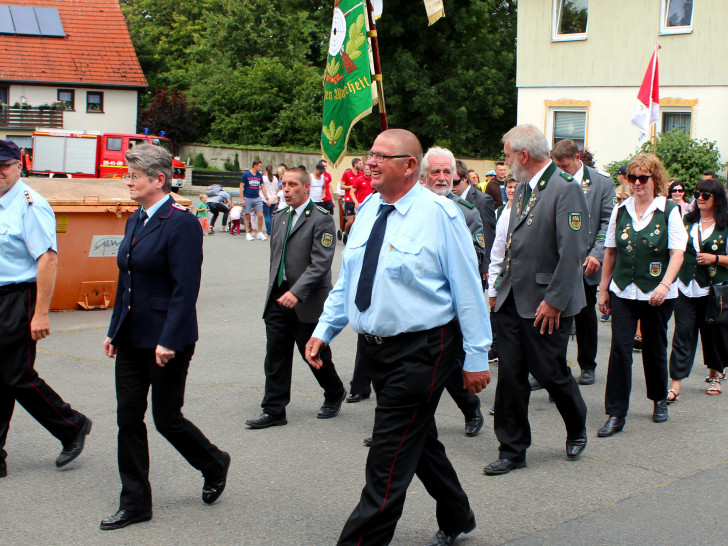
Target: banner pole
377, 76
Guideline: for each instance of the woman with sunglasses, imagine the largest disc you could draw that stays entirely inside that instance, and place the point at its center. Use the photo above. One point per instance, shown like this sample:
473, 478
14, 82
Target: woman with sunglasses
677, 194
705, 263
644, 251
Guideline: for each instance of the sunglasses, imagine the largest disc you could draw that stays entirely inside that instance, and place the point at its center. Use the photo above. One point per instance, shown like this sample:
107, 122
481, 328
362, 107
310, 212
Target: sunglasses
678, 190
643, 178
704, 194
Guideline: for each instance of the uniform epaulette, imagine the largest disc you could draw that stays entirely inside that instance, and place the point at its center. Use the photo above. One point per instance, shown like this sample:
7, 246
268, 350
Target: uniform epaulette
323, 210
282, 209
466, 203
566, 176
28, 197
177, 206
604, 173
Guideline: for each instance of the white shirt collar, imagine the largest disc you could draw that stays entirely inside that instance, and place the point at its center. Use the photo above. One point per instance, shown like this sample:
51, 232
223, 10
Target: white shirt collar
537, 176
465, 191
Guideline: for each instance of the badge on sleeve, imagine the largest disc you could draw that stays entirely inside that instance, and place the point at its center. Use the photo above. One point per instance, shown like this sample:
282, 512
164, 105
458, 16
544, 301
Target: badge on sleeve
327, 239
479, 239
575, 220
655, 269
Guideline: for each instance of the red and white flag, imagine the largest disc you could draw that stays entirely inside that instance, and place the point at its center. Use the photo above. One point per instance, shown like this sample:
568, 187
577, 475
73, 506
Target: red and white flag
647, 107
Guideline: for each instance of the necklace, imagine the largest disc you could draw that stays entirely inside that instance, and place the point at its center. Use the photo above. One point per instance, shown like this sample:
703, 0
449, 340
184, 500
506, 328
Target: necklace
707, 220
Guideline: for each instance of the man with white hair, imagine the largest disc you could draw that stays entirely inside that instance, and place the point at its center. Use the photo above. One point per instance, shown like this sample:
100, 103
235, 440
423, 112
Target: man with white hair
439, 165
538, 293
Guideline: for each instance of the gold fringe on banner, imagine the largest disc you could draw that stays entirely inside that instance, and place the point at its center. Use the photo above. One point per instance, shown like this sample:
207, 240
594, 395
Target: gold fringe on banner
435, 9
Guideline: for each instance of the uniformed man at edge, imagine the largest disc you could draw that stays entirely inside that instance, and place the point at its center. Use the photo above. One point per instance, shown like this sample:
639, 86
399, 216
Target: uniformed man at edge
408, 286
600, 198
538, 293
439, 166
28, 264
301, 252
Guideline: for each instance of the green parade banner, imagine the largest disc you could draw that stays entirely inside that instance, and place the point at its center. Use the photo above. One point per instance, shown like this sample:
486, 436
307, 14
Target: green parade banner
347, 78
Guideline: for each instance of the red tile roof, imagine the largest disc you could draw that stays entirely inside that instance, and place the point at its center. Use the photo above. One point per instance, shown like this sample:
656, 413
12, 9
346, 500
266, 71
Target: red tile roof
97, 49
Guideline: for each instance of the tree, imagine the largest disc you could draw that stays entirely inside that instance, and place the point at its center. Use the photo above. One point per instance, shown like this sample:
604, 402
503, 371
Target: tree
169, 111
684, 158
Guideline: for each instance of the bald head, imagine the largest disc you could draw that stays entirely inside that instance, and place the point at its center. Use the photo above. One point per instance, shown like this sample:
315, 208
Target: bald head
394, 160
407, 143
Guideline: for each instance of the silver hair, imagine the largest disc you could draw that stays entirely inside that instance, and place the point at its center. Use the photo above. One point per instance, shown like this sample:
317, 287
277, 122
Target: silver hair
153, 160
528, 138
436, 150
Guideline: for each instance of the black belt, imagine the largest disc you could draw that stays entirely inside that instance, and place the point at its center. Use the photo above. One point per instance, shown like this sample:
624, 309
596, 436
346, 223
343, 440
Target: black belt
16, 287
370, 339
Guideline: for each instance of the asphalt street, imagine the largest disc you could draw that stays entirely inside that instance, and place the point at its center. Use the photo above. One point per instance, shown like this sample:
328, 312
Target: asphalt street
297, 484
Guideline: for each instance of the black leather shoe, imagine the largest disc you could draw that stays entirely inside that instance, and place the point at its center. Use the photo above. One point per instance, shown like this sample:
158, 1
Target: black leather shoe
354, 398
330, 409
659, 415
535, 385
474, 424
123, 518
575, 446
587, 377
267, 420
502, 466
74, 449
443, 539
612, 426
3, 469
213, 487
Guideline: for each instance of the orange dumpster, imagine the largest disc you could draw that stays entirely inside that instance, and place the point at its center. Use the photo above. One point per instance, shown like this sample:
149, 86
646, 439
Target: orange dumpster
90, 219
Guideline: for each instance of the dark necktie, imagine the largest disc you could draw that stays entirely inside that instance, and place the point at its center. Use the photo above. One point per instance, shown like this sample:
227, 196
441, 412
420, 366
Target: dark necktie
527, 198
283, 252
363, 297
140, 223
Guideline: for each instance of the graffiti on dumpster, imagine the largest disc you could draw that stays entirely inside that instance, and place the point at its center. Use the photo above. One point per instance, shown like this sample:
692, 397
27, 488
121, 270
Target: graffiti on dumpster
105, 246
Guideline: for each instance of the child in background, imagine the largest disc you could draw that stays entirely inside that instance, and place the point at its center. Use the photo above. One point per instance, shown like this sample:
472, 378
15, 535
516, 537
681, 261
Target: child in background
235, 215
201, 213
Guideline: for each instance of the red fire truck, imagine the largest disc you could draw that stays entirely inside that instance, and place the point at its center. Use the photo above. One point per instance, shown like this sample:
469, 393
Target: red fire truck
89, 154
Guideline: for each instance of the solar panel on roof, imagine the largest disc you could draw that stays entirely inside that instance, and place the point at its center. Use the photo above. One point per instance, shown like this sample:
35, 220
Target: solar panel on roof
49, 21
24, 20
30, 20
6, 23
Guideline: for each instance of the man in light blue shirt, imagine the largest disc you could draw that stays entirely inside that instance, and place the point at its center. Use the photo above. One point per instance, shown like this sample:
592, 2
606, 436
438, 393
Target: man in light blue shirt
408, 287
28, 263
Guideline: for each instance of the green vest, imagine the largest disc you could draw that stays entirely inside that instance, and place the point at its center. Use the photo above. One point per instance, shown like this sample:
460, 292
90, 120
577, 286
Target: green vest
642, 256
704, 274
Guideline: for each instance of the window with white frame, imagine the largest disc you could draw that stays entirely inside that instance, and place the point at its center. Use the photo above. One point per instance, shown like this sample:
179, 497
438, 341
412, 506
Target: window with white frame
570, 20
676, 16
570, 124
677, 120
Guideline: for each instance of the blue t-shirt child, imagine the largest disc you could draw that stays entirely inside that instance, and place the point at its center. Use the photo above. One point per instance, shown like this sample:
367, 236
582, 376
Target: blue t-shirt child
252, 183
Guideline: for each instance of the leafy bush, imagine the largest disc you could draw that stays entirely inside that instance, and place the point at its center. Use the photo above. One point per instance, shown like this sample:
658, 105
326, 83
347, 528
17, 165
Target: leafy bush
199, 162
684, 158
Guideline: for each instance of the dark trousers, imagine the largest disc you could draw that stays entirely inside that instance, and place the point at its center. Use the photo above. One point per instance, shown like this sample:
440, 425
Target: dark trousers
328, 205
587, 330
361, 380
524, 349
283, 329
18, 378
468, 404
689, 321
654, 319
409, 373
216, 209
493, 353
136, 371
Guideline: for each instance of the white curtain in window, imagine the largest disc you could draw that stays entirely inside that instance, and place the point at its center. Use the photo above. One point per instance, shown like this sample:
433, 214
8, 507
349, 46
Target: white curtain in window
570, 125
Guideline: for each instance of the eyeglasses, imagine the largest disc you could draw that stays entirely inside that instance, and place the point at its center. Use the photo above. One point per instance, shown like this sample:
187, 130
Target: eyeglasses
379, 157
643, 178
704, 194
678, 190
133, 177
5, 166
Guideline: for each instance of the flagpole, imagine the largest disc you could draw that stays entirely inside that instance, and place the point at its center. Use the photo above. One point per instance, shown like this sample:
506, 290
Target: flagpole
653, 128
377, 76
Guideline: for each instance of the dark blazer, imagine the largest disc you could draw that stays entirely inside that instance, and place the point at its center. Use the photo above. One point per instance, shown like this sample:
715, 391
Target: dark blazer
600, 198
484, 204
546, 247
159, 279
309, 253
